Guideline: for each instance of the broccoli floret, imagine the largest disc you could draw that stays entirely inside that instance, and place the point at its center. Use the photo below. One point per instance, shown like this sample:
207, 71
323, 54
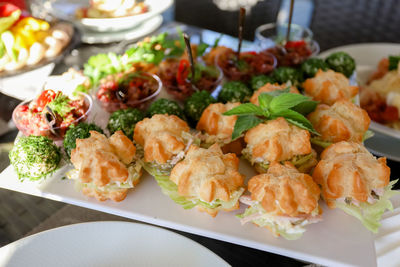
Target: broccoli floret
34, 157
197, 103
312, 65
394, 62
235, 91
165, 106
341, 62
125, 120
260, 80
286, 74
80, 131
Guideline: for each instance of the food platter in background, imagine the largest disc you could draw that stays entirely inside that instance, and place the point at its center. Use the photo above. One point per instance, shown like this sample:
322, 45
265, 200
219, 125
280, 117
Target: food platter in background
118, 244
67, 9
35, 74
386, 141
142, 29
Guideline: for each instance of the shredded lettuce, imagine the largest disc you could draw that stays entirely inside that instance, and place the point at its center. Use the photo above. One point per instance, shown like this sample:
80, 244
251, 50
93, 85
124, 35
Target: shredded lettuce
134, 175
368, 134
288, 231
370, 214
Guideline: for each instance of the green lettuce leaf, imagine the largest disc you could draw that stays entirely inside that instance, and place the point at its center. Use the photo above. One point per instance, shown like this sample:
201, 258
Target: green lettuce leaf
370, 214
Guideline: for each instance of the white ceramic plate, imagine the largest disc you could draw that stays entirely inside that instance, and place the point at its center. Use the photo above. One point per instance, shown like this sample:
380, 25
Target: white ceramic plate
107, 244
142, 29
66, 9
367, 56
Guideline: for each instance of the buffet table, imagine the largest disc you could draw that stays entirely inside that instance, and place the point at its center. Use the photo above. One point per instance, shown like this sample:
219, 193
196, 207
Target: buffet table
386, 242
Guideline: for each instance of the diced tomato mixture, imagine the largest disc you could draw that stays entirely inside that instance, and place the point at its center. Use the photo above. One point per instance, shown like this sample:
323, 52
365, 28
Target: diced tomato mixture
30, 119
292, 54
174, 74
248, 64
124, 90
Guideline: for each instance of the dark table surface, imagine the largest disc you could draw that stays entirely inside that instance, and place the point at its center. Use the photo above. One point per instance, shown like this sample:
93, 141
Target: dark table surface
234, 254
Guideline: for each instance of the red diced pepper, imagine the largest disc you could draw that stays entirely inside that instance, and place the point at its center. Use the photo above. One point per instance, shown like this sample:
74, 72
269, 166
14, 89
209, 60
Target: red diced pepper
295, 44
183, 71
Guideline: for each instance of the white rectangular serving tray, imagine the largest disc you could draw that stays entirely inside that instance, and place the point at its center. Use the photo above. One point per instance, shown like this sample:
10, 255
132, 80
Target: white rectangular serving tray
339, 240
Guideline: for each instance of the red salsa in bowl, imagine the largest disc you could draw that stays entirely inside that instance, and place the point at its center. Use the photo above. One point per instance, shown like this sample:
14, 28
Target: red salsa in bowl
51, 114
247, 65
177, 79
128, 90
293, 53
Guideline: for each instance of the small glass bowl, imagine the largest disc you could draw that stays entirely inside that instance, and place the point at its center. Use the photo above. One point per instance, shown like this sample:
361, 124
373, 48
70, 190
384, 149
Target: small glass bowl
177, 93
56, 133
272, 34
141, 104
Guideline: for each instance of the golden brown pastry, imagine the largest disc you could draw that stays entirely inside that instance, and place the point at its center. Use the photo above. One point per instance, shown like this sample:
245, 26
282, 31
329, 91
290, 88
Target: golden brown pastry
218, 128
283, 200
329, 87
209, 177
277, 141
161, 137
270, 88
343, 121
105, 168
348, 170
355, 181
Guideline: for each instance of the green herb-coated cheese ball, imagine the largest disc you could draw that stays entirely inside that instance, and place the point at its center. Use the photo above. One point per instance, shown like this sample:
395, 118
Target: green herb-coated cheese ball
125, 120
341, 62
80, 131
260, 80
196, 104
312, 65
234, 91
165, 106
286, 74
34, 157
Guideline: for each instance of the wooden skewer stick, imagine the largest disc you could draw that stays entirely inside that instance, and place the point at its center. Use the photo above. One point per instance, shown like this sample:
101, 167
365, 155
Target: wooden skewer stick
189, 49
290, 20
242, 16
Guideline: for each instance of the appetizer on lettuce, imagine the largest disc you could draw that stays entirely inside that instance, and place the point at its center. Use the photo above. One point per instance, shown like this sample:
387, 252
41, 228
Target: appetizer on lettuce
278, 141
343, 121
34, 157
329, 87
105, 168
355, 181
283, 200
207, 179
164, 139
